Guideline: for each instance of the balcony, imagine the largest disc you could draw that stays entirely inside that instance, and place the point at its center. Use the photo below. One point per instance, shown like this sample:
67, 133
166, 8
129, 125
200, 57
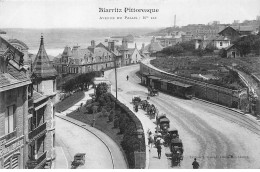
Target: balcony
38, 163
9, 136
37, 131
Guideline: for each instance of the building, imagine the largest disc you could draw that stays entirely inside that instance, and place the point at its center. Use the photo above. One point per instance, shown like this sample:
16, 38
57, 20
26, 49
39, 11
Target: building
96, 57
151, 48
21, 46
14, 115
232, 51
41, 138
218, 42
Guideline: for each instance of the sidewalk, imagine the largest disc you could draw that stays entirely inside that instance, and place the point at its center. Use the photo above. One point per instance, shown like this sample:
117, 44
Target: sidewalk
117, 156
77, 105
152, 161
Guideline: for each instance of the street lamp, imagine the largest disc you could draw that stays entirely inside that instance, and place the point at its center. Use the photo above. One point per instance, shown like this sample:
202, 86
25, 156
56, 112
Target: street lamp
140, 132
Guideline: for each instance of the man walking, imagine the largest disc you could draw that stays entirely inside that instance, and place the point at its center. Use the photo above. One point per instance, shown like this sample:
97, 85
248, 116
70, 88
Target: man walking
159, 150
127, 77
195, 164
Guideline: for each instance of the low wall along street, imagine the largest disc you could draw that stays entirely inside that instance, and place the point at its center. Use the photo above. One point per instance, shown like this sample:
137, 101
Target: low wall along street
216, 94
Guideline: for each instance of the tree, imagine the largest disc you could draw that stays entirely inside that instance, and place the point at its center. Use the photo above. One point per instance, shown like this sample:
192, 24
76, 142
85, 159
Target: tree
210, 48
101, 89
223, 53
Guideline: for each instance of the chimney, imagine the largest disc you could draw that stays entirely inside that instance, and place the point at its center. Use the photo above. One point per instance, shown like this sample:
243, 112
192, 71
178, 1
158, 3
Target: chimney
111, 46
93, 44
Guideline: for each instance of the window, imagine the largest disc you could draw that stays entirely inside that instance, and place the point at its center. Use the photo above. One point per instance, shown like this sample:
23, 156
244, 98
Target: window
220, 43
9, 120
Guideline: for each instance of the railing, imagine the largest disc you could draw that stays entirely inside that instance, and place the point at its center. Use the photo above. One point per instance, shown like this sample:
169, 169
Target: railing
9, 136
36, 163
41, 158
37, 131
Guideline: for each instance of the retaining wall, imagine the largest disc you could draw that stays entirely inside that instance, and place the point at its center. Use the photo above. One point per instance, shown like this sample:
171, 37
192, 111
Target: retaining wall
202, 90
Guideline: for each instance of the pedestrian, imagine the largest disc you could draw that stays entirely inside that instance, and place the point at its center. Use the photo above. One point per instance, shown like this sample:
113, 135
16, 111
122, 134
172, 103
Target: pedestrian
159, 150
150, 142
127, 77
136, 108
195, 164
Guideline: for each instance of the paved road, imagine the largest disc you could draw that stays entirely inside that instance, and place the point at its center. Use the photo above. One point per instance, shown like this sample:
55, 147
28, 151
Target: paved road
74, 139
218, 137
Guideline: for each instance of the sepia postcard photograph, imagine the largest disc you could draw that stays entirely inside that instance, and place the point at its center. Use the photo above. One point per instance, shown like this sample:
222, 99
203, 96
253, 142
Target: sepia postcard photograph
129, 84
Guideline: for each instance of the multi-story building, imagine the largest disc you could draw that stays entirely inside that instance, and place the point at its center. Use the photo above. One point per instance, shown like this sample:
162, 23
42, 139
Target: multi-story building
96, 57
14, 84
41, 136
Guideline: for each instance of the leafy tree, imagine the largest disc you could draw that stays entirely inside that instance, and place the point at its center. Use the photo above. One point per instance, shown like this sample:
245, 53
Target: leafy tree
101, 89
210, 48
116, 122
223, 53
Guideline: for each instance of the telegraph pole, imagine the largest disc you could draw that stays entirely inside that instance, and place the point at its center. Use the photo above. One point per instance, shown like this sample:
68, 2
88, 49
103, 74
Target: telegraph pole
115, 76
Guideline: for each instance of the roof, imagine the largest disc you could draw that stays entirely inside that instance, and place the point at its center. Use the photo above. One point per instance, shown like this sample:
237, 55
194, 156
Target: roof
153, 47
180, 84
13, 78
164, 120
18, 42
146, 74
42, 68
229, 27
38, 96
154, 77
67, 51
244, 28
230, 46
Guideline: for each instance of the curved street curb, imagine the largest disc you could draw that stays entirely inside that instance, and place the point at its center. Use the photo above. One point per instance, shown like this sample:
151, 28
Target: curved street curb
93, 134
147, 156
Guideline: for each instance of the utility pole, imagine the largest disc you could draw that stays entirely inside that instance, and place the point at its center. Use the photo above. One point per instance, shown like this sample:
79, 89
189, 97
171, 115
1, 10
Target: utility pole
115, 76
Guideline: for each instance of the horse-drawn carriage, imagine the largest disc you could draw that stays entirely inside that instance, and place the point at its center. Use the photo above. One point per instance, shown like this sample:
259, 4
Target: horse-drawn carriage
152, 91
136, 100
176, 148
172, 134
144, 104
151, 110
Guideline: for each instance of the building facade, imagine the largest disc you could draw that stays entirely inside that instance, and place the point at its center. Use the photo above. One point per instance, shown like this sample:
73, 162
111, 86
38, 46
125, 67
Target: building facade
96, 57
14, 85
41, 122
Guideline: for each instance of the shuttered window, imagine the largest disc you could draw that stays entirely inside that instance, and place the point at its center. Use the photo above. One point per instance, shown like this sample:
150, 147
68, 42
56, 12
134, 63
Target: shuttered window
9, 120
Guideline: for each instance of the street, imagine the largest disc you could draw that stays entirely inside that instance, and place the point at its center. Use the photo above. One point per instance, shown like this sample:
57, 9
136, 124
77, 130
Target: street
73, 139
218, 137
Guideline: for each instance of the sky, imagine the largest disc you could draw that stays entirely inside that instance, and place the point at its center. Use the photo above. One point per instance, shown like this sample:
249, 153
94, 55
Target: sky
85, 13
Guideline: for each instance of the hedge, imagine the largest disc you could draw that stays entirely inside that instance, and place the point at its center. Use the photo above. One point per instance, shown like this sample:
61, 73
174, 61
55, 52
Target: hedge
130, 142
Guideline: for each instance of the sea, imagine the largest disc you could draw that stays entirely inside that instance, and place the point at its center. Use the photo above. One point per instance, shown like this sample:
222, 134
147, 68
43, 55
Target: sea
56, 39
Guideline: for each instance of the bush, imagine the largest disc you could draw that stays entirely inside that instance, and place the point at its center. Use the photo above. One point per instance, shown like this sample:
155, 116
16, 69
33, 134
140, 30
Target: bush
116, 122
111, 116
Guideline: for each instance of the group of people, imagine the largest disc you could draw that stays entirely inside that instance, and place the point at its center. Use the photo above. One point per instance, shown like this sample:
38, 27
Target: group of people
195, 163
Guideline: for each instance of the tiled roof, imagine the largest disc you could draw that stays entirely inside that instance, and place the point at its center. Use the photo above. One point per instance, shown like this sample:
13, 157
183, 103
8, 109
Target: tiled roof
153, 47
13, 78
42, 68
37, 96
67, 51
18, 42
